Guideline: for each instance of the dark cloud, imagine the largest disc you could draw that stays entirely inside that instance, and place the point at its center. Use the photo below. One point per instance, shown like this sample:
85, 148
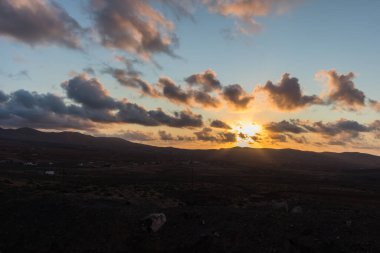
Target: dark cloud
38, 22
133, 26
133, 113
236, 96
176, 94
285, 127
227, 137
95, 115
207, 80
180, 119
88, 92
205, 99
335, 133
298, 139
327, 129
173, 92
219, 124
206, 134
3, 97
342, 90
93, 105
165, 136
24, 108
92, 94
275, 138
127, 79
353, 128
256, 138
287, 94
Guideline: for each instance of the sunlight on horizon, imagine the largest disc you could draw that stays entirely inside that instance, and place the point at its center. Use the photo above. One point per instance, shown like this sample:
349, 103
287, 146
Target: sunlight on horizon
246, 133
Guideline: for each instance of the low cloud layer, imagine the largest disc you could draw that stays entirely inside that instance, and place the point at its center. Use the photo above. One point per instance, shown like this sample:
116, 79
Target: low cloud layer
166, 136
340, 132
285, 127
38, 22
92, 105
207, 134
131, 135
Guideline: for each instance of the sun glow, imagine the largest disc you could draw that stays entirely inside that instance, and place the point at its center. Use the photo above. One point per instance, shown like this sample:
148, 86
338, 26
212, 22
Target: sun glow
247, 133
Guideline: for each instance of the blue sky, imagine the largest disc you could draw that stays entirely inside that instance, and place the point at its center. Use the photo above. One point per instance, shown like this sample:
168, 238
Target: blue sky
309, 37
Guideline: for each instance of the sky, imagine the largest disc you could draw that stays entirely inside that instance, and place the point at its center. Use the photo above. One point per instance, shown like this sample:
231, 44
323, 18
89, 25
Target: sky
296, 74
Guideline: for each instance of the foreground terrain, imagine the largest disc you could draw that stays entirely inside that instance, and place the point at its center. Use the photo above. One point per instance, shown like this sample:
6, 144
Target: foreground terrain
73, 193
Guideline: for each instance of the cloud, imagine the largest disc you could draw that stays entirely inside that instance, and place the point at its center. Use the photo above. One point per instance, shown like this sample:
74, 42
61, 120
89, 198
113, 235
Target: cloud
334, 128
219, 124
236, 96
206, 100
127, 79
38, 22
339, 132
246, 11
89, 71
3, 97
275, 138
23, 108
92, 95
297, 139
342, 91
177, 95
173, 92
165, 136
93, 105
180, 119
287, 94
131, 135
133, 113
133, 26
23, 74
285, 127
89, 92
375, 105
206, 134
207, 80
129, 65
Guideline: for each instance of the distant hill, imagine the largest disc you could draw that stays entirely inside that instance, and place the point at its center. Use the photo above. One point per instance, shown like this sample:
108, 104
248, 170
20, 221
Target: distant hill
31, 144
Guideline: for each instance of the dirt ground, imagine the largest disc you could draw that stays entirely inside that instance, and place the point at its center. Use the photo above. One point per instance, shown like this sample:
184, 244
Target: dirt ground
209, 208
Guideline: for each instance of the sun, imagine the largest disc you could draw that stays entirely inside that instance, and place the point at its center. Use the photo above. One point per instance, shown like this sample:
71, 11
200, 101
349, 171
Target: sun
247, 133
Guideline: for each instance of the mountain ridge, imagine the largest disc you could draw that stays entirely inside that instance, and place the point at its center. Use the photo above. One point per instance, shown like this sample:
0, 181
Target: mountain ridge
75, 145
